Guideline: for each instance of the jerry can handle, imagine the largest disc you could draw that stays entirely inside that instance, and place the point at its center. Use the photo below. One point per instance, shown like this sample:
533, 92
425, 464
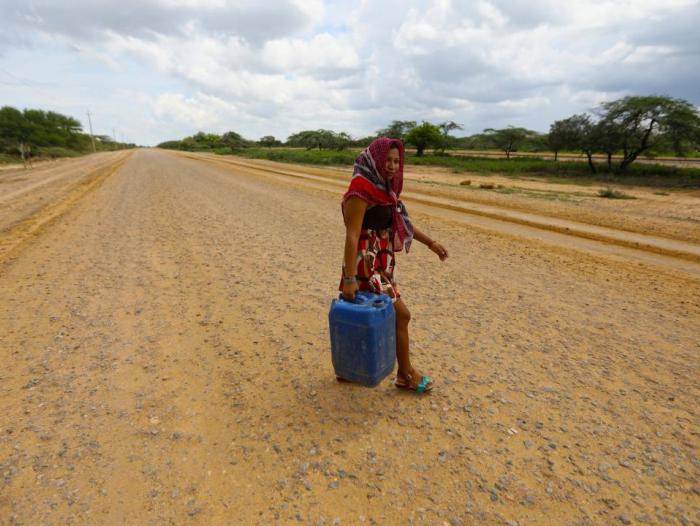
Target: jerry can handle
341, 297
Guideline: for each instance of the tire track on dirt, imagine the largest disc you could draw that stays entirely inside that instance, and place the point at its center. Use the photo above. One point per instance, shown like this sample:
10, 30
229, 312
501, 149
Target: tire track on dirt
667, 253
17, 235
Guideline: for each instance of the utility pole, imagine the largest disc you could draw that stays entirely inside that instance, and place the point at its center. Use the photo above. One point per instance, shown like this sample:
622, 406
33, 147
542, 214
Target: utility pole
92, 137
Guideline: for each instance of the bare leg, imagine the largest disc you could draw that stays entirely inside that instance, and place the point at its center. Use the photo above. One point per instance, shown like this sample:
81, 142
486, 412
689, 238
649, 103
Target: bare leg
406, 371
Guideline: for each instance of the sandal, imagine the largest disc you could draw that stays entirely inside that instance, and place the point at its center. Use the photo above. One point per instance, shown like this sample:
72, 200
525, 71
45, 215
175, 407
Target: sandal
425, 384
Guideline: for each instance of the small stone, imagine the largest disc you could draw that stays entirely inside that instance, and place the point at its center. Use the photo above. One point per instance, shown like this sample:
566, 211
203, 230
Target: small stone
493, 496
550, 488
624, 520
512, 523
333, 485
342, 473
528, 500
527, 443
307, 484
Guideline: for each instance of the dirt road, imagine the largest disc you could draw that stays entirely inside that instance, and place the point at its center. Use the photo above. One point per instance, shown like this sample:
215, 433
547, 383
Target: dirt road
165, 360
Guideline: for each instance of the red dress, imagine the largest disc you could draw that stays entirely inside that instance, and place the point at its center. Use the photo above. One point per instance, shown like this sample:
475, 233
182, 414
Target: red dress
375, 263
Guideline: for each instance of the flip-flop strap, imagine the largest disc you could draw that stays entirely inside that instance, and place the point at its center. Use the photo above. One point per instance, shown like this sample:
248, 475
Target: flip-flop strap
423, 384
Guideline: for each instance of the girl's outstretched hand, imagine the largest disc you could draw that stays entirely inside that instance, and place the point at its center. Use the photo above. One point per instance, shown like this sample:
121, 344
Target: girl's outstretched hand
439, 250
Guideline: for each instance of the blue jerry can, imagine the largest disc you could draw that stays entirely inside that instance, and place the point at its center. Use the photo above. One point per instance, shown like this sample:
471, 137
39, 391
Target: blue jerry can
363, 338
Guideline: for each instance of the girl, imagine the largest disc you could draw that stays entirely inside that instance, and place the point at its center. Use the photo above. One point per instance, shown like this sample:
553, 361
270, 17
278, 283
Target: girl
376, 226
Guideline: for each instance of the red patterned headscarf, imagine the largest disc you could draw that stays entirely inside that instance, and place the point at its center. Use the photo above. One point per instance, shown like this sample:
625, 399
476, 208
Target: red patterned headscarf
371, 184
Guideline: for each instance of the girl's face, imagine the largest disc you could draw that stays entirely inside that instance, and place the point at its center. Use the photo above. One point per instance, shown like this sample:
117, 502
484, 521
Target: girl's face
392, 164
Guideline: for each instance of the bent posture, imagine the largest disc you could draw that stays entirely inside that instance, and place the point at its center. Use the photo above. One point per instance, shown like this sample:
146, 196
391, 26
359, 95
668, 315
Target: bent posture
377, 226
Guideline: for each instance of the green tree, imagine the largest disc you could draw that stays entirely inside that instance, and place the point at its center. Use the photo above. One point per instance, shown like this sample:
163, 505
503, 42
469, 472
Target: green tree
233, 140
38, 128
171, 145
446, 128
606, 137
268, 141
563, 135
577, 134
508, 139
14, 128
320, 139
642, 121
308, 139
424, 136
397, 129
341, 140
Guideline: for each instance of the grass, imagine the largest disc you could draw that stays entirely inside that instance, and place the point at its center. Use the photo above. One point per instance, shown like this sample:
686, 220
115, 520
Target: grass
609, 193
54, 152
565, 172
41, 154
288, 155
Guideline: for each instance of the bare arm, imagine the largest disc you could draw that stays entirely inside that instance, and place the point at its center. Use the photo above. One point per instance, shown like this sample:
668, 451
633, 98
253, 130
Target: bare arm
354, 214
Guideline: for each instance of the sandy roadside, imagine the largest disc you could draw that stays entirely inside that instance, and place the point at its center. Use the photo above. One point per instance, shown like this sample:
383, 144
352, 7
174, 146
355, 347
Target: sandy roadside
672, 213
165, 360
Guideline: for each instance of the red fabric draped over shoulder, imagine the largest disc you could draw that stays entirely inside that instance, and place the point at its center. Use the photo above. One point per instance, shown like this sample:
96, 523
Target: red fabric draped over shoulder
371, 184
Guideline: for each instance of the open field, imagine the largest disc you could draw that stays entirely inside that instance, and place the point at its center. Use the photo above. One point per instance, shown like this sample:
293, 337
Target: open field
573, 171
165, 358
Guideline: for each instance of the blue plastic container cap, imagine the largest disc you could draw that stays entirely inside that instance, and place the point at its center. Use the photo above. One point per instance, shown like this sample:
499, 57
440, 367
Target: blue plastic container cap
363, 338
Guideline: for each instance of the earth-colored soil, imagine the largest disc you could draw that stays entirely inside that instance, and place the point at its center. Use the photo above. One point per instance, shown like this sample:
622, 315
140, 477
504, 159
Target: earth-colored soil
165, 359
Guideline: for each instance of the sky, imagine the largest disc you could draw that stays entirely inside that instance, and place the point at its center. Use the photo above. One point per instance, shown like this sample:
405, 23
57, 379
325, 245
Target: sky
155, 70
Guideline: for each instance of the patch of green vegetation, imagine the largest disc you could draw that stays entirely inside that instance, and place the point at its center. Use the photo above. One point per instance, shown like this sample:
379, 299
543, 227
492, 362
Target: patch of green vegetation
661, 193
547, 195
562, 172
54, 152
566, 172
688, 219
609, 193
291, 155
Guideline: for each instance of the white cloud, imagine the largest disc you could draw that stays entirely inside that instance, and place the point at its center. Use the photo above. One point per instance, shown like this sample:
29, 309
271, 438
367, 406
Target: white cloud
319, 53
280, 66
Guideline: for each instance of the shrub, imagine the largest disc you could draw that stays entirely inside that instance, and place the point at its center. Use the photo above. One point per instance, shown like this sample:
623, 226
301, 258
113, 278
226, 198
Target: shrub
609, 193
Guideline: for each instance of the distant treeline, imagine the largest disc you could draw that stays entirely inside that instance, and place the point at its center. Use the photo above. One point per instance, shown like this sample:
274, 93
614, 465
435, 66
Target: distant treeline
623, 130
37, 133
